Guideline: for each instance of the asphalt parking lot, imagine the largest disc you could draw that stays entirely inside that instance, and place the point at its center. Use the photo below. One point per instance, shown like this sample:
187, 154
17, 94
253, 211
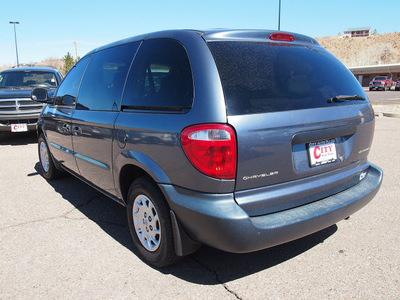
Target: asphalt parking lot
390, 98
64, 240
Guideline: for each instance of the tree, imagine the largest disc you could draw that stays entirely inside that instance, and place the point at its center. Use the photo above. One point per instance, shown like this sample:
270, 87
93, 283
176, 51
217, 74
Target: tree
69, 62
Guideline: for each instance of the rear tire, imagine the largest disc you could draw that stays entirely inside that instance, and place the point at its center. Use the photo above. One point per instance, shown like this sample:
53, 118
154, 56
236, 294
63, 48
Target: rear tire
49, 170
150, 223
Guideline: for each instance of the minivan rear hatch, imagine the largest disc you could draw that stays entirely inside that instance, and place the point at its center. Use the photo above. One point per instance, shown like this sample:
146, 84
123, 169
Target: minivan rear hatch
304, 124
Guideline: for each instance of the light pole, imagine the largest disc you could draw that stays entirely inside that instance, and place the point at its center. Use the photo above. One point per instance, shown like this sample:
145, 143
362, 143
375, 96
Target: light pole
76, 52
15, 35
279, 16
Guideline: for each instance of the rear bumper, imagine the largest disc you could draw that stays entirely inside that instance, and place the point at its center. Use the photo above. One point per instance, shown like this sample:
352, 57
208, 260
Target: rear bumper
216, 220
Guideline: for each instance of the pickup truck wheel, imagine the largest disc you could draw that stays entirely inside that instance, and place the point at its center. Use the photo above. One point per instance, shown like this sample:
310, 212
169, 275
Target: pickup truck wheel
47, 166
150, 223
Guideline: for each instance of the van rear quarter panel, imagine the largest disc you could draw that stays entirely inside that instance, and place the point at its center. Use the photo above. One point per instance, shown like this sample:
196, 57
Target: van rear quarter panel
153, 138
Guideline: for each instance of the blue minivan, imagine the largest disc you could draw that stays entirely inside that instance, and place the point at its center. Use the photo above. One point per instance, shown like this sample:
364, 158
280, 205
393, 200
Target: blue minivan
237, 139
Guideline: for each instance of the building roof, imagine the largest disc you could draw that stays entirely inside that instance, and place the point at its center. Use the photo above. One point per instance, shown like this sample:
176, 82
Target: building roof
358, 29
384, 69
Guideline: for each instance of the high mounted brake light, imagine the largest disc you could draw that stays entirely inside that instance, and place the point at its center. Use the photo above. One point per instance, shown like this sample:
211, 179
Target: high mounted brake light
283, 37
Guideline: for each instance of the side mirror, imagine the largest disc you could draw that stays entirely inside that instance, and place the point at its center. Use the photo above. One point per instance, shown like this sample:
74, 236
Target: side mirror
68, 100
40, 95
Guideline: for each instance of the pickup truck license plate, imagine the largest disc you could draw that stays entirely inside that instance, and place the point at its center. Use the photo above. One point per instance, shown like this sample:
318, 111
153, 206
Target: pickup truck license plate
322, 152
19, 127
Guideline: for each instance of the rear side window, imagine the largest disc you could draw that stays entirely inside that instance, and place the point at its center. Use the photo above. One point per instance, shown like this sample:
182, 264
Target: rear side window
160, 79
104, 79
266, 77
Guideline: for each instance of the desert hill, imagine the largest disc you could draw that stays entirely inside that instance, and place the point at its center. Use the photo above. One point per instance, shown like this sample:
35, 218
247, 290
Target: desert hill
364, 51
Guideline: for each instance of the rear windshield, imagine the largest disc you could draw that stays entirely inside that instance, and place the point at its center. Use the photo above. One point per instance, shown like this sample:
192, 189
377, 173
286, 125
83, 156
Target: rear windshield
28, 79
266, 77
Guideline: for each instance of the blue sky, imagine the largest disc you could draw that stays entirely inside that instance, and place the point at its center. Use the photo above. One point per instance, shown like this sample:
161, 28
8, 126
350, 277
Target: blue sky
49, 28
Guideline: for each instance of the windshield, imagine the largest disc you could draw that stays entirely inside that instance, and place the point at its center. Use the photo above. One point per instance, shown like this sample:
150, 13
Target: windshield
380, 78
28, 79
265, 77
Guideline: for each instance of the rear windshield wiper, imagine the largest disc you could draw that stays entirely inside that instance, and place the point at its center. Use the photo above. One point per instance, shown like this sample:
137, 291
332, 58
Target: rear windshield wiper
343, 98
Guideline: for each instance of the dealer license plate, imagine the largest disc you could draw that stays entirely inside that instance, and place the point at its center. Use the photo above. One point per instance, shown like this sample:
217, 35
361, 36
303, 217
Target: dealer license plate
19, 127
322, 152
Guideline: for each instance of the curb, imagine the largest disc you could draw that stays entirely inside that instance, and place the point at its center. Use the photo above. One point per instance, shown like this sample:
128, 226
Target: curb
387, 114
391, 115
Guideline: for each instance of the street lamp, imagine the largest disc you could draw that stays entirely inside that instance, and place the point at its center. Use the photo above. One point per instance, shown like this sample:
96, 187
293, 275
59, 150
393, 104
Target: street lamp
279, 16
15, 35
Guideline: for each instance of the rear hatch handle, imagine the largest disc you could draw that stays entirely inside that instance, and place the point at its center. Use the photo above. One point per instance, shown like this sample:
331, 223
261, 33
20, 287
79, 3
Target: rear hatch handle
323, 134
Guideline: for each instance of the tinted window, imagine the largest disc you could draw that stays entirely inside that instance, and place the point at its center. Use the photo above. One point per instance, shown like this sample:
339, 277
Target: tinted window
104, 78
262, 77
28, 79
161, 77
68, 89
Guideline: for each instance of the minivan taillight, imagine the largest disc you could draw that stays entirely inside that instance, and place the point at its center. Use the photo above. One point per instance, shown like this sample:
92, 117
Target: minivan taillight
212, 149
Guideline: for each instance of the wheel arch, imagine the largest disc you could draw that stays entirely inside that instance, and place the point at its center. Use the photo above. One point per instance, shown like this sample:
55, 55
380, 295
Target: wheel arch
132, 165
40, 128
128, 174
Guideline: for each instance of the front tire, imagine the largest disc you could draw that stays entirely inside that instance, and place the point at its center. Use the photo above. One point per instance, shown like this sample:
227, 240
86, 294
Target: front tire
150, 223
49, 170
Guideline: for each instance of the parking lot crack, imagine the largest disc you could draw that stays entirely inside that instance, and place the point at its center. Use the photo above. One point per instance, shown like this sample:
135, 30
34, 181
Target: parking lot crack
30, 222
64, 215
218, 279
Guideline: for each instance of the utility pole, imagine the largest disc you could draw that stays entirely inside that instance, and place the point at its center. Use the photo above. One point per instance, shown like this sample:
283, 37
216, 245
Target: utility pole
279, 16
15, 36
76, 50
